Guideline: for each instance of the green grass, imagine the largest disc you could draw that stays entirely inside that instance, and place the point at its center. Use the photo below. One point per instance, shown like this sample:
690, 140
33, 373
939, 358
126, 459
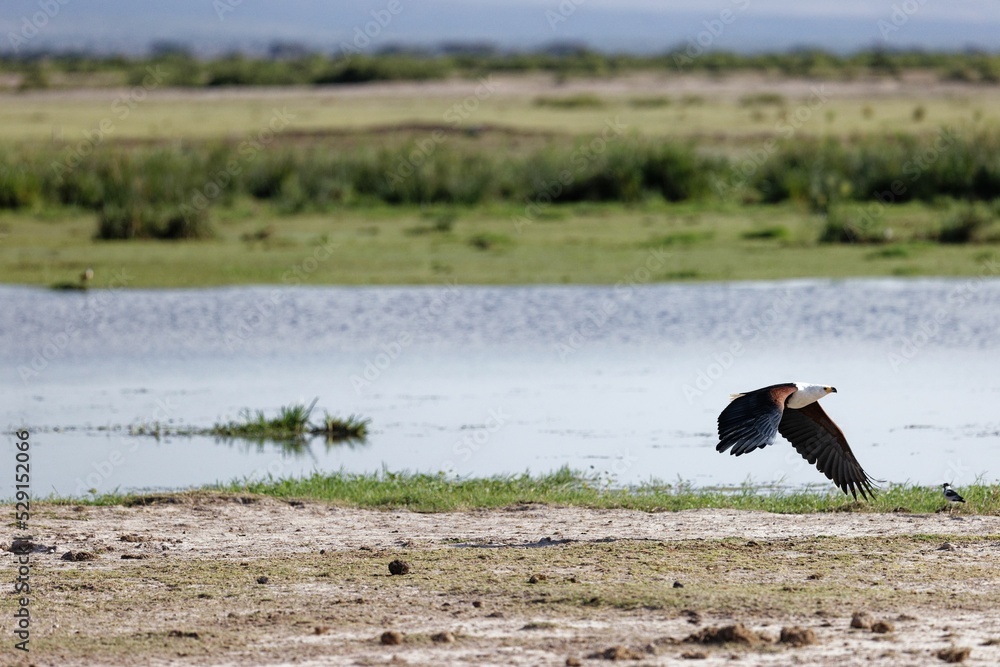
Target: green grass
437, 493
584, 243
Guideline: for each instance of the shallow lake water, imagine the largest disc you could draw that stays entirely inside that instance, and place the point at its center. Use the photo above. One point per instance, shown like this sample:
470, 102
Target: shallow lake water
624, 383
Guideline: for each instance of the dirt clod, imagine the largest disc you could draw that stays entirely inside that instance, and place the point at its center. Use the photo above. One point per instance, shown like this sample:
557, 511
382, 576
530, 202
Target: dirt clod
797, 636
132, 537
694, 655
694, 618
183, 634
535, 578
730, 634
443, 638
391, 638
954, 653
399, 567
78, 556
616, 653
573, 662
862, 620
134, 556
883, 627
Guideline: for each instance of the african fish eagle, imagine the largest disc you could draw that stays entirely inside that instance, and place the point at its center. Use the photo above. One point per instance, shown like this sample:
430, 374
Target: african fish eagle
753, 419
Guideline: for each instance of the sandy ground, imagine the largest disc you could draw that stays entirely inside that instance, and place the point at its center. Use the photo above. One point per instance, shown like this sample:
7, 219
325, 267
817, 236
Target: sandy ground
180, 583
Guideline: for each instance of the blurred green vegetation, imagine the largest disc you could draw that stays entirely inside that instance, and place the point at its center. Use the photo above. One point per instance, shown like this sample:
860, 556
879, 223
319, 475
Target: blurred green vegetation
128, 184
420, 189
301, 67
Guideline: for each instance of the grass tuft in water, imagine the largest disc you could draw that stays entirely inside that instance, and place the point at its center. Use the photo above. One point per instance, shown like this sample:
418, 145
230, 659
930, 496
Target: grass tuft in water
336, 428
292, 421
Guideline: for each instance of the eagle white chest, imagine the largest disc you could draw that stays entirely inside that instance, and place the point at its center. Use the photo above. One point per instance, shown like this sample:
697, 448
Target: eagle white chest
805, 394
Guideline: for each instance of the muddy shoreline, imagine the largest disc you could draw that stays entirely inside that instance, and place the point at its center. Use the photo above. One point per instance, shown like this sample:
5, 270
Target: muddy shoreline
220, 580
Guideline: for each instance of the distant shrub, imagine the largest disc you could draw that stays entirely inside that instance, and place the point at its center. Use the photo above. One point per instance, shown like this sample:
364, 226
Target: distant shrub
579, 101
655, 102
120, 223
679, 238
853, 225
126, 222
762, 99
490, 241
183, 223
892, 252
966, 226
35, 76
366, 69
20, 186
776, 232
683, 274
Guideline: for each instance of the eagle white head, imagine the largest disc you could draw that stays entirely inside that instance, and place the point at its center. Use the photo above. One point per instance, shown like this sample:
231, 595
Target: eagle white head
808, 393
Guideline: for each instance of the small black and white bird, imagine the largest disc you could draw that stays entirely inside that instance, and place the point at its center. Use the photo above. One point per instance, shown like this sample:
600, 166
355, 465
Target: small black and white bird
951, 494
753, 419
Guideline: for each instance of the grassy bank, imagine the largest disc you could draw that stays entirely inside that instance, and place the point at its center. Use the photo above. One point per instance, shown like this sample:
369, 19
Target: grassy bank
585, 243
436, 493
